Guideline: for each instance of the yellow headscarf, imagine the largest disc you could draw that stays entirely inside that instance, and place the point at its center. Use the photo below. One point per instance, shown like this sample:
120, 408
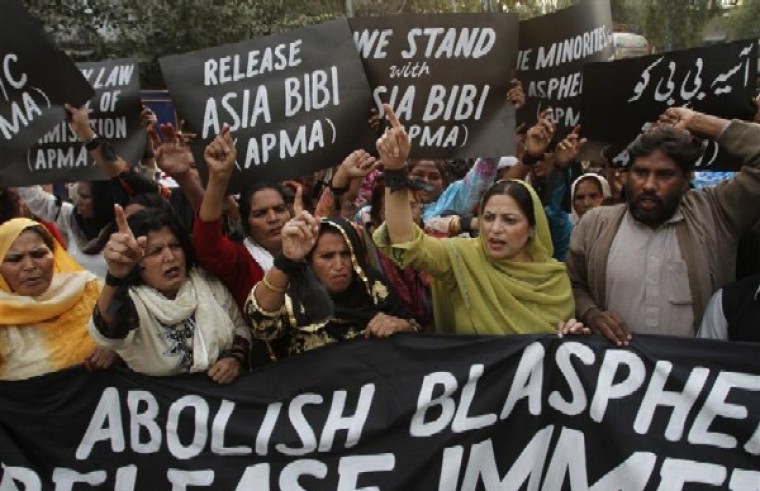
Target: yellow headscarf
504, 296
61, 313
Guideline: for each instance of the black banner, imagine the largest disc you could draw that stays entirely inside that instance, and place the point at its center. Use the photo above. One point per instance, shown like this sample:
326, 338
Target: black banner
114, 115
553, 50
621, 97
412, 412
296, 102
446, 77
36, 79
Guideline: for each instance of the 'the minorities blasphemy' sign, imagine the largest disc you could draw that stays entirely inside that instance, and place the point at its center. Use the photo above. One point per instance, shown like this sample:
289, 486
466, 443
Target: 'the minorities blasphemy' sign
412, 412
296, 102
446, 77
114, 115
621, 97
36, 79
553, 50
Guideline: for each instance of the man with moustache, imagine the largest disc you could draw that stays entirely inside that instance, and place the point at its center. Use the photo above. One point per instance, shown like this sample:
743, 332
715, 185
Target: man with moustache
650, 265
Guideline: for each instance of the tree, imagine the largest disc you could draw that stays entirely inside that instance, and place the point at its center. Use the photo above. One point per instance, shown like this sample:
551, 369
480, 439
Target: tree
742, 22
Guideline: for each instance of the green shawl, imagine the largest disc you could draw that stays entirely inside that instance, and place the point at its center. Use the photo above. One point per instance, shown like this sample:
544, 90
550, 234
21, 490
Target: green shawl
503, 296
487, 296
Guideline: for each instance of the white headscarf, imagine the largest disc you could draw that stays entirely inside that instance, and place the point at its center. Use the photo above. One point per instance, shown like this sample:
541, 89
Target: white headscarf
605, 185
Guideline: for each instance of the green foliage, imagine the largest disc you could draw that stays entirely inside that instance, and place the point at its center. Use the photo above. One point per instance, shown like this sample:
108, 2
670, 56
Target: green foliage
743, 21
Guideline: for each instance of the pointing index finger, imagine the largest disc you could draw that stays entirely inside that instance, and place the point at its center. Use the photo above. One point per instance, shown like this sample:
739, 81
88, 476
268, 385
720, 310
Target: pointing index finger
392, 119
121, 220
298, 202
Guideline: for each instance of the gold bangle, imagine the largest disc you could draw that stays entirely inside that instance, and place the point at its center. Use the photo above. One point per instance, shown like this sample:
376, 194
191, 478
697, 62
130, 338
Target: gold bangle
271, 287
454, 225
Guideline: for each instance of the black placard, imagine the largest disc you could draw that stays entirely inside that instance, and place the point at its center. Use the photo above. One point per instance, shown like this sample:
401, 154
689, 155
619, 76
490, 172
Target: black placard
553, 50
114, 115
446, 77
621, 97
36, 79
412, 412
296, 102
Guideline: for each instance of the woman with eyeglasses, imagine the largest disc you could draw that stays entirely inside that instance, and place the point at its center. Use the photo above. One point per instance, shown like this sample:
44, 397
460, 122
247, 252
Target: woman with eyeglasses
502, 282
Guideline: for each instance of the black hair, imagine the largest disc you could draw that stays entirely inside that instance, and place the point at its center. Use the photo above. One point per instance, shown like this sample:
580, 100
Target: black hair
153, 220
440, 164
8, 205
676, 144
518, 192
44, 235
244, 203
151, 200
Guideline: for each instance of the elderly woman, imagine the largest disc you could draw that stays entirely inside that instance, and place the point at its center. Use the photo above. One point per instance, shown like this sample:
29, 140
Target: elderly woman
45, 302
321, 291
587, 192
503, 282
162, 315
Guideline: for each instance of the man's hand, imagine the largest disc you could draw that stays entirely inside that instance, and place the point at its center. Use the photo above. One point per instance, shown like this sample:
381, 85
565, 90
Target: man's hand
680, 117
394, 146
610, 325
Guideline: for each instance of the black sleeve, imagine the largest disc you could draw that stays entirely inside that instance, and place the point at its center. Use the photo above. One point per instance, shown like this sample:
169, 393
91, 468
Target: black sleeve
124, 314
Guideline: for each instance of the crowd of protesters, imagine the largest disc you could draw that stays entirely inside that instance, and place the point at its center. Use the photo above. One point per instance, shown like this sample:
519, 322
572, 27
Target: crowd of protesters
180, 279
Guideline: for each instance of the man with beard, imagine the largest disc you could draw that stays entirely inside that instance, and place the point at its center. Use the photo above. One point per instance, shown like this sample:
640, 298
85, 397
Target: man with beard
650, 265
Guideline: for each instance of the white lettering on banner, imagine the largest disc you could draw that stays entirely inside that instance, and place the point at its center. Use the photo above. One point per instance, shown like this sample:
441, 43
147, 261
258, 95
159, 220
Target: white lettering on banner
452, 42
568, 50
65, 479
105, 77
456, 102
233, 68
59, 158
110, 128
437, 136
286, 144
675, 88
240, 110
557, 88
21, 114
372, 44
413, 69
180, 479
107, 425
311, 91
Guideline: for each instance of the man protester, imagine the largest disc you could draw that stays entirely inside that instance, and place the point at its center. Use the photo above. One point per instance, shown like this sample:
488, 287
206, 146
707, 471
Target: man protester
650, 265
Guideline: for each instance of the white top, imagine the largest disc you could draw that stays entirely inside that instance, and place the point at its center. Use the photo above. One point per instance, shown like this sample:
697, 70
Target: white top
43, 205
647, 279
714, 324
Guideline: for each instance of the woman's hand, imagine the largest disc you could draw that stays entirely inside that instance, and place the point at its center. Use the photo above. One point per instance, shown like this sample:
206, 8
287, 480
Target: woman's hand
394, 146
540, 135
384, 325
516, 94
225, 370
123, 251
79, 122
220, 154
569, 148
100, 359
299, 234
572, 327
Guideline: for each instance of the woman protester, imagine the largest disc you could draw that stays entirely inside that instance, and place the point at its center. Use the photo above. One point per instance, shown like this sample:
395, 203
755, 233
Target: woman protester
87, 223
502, 282
587, 192
263, 211
321, 291
46, 299
162, 315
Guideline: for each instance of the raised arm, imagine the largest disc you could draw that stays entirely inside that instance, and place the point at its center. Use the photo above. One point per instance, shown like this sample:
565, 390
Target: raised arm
393, 148
174, 157
220, 158
108, 161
